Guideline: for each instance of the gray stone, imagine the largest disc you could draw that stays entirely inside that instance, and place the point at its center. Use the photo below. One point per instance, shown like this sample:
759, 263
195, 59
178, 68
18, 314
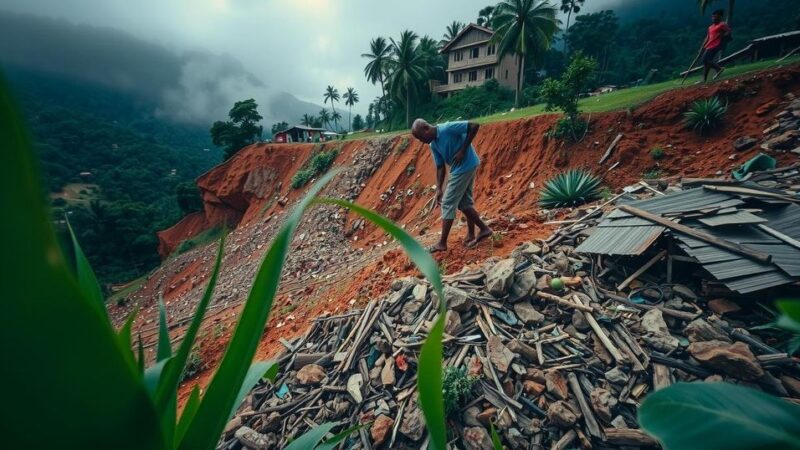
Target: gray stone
602, 403
556, 384
657, 333
524, 283
743, 143
409, 311
616, 376
500, 277
579, 321
653, 322
457, 299
452, 322
252, 439
499, 354
380, 429
470, 416
311, 374
527, 249
527, 313
413, 424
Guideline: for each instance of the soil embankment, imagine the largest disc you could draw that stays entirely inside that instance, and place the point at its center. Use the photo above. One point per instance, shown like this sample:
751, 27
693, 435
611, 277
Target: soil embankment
337, 261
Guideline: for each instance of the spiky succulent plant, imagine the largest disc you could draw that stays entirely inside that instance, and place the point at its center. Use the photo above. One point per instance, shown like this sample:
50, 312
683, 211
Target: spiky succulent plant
569, 188
705, 114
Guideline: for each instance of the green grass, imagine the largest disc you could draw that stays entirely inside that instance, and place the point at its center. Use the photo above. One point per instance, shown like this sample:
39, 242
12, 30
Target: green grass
122, 294
202, 239
621, 99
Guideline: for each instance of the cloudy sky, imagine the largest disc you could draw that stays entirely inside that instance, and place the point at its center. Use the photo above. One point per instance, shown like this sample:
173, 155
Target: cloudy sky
297, 46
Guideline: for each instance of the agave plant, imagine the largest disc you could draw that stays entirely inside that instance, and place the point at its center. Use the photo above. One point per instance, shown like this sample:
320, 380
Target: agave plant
705, 114
569, 188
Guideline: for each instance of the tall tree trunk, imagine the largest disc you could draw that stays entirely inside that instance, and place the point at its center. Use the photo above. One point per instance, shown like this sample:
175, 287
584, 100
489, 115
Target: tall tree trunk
408, 108
350, 119
569, 14
520, 73
383, 95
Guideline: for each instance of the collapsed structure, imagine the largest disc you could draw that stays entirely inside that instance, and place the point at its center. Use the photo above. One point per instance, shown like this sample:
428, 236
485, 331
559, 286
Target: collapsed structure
558, 367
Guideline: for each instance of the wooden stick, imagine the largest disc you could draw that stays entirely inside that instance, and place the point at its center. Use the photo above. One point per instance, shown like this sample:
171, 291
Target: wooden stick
610, 149
615, 353
642, 270
777, 234
749, 191
694, 61
562, 302
697, 234
588, 415
628, 436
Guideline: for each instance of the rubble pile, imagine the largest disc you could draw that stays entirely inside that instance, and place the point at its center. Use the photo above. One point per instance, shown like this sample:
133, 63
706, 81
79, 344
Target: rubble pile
783, 134
559, 349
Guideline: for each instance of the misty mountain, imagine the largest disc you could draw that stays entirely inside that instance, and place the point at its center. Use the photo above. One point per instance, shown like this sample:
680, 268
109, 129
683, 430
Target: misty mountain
191, 86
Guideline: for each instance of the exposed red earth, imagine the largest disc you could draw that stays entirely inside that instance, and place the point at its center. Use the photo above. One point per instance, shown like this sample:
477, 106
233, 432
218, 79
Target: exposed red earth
249, 191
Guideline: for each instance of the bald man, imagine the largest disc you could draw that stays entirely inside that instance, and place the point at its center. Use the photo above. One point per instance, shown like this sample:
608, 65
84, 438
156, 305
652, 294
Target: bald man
451, 145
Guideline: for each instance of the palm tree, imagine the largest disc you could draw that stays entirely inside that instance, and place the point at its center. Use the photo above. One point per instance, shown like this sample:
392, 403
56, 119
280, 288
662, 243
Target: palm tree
704, 4
350, 99
336, 117
569, 7
434, 62
331, 95
408, 70
485, 15
307, 120
324, 117
452, 31
523, 28
379, 56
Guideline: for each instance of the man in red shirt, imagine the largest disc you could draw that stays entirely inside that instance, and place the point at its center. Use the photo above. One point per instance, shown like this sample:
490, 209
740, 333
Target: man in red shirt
719, 34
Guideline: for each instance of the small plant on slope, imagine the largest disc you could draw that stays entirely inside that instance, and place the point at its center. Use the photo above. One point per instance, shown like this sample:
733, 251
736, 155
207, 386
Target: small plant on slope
457, 388
657, 153
569, 189
705, 114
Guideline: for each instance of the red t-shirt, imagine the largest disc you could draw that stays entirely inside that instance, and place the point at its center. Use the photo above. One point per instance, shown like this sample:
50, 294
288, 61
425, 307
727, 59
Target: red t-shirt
715, 32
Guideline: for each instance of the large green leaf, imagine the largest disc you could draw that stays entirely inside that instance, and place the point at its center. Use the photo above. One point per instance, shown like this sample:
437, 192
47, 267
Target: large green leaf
495, 438
189, 410
790, 319
221, 395
311, 438
331, 443
168, 386
708, 416
164, 350
257, 371
429, 378
65, 382
87, 280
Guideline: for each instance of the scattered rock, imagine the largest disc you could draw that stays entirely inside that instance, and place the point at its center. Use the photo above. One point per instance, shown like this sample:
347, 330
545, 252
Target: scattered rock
527, 313
499, 354
470, 416
311, 374
561, 415
485, 417
413, 424
380, 429
457, 299
657, 333
252, 439
743, 143
524, 283
616, 376
603, 402
500, 277
735, 359
476, 438
556, 384
723, 306
699, 330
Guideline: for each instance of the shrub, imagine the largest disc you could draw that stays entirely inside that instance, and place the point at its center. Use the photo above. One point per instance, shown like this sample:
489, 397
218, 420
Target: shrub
457, 388
705, 114
569, 188
657, 153
563, 94
652, 174
403, 145
319, 164
606, 193
564, 129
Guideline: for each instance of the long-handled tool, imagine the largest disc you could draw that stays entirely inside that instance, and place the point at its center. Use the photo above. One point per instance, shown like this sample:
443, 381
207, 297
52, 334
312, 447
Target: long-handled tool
694, 61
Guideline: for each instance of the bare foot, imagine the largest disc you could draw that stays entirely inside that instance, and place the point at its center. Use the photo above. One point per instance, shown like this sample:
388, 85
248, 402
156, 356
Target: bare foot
481, 236
468, 238
439, 247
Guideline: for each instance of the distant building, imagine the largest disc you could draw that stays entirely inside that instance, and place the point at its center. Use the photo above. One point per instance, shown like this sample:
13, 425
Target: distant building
300, 133
472, 59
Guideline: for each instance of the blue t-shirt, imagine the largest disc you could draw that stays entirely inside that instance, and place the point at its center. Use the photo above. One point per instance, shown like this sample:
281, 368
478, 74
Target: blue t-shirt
450, 138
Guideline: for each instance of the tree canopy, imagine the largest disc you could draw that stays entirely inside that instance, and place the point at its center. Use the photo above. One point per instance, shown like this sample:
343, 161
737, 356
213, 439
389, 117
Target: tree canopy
241, 130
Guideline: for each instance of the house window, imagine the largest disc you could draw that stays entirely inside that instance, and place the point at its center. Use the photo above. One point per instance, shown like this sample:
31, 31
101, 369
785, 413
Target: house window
506, 74
473, 75
490, 49
474, 52
458, 77
489, 73
458, 56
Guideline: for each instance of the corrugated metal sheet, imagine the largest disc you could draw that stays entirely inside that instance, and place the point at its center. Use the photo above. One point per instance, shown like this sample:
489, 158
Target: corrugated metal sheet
786, 220
736, 218
618, 241
737, 268
756, 283
784, 256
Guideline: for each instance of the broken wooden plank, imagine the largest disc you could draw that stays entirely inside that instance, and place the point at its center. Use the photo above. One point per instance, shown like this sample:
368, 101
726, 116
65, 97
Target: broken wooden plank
588, 414
642, 270
610, 149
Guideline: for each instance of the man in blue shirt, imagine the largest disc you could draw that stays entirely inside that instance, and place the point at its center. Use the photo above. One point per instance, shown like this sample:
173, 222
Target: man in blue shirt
451, 145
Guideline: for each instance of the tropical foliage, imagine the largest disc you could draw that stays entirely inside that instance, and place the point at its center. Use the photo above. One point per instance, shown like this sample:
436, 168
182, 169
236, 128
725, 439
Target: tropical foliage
563, 94
523, 28
705, 114
569, 189
241, 130
350, 99
569, 7
331, 96
319, 164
